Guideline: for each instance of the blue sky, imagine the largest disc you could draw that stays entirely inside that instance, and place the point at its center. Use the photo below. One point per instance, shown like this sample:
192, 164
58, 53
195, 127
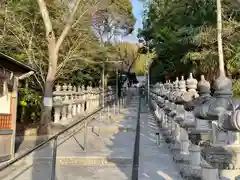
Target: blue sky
137, 11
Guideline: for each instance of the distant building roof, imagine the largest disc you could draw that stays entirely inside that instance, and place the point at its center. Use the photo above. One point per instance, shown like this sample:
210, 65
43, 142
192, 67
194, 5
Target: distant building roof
13, 64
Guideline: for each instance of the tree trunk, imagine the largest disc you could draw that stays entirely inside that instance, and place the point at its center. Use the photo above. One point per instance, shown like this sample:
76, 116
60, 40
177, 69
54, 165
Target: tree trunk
53, 51
219, 36
46, 116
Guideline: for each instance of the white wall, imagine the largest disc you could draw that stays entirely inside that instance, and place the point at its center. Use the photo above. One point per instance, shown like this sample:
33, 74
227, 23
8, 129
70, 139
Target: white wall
5, 104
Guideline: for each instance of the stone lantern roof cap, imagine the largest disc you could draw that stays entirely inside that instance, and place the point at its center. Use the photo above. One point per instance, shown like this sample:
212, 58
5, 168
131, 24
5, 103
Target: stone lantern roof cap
203, 85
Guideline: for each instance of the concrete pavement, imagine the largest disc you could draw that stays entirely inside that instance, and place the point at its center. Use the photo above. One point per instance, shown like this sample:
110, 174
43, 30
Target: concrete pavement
109, 154
155, 162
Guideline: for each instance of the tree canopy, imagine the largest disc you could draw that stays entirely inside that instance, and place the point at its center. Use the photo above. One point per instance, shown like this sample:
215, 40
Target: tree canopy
184, 34
64, 41
23, 35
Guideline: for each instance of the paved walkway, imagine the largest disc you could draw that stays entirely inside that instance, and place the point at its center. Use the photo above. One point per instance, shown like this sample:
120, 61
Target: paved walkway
155, 162
109, 154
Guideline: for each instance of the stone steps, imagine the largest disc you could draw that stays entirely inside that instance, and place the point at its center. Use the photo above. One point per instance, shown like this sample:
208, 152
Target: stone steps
103, 155
88, 160
40, 171
109, 153
25, 143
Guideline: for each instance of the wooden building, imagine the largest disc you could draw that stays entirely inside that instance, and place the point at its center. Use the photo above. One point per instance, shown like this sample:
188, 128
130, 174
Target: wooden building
11, 71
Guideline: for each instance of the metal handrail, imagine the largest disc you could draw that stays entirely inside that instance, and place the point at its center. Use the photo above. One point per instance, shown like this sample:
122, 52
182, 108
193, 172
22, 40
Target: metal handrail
136, 145
48, 140
55, 144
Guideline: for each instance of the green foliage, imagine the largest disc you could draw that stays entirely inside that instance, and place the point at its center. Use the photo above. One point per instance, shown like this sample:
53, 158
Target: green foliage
139, 66
29, 105
184, 35
128, 53
144, 60
236, 88
22, 36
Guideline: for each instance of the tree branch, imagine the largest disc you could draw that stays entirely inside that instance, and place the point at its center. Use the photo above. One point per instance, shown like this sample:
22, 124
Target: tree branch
68, 26
61, 65
46, 19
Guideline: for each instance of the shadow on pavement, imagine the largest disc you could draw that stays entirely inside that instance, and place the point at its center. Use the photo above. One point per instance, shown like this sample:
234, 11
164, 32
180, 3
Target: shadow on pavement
109, 154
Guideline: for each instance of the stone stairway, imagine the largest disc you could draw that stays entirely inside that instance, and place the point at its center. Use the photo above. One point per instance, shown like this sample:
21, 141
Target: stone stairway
109, 153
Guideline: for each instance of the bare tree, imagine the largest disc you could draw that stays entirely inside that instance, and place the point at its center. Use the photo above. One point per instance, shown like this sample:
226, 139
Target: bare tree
62, 46
54, 44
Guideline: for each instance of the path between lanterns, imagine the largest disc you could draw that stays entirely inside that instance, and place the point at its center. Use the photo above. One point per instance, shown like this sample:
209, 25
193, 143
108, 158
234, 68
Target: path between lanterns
155, 162
109, 154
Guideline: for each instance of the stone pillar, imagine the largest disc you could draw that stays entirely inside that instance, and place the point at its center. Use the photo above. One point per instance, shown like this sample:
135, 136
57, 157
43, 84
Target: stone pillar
91, 105
90, 99
79, 98
57, 100
87, 100
184, 142
70, 101
64, 107
97, 98
84, 94
74, 101
94, 98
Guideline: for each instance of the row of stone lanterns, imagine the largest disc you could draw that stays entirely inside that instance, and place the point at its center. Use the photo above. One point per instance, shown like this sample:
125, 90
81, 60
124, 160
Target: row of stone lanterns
200, 127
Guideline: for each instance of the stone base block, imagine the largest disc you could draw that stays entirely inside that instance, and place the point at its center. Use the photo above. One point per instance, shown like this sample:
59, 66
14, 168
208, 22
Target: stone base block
230, 173
175, 148
209, 172
181, 158
190, 172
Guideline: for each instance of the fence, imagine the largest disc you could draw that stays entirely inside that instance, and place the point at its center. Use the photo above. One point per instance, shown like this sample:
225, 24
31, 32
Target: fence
70, 101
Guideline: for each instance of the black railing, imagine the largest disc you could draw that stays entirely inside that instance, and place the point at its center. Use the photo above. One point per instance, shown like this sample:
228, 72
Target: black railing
55, 144
136, 145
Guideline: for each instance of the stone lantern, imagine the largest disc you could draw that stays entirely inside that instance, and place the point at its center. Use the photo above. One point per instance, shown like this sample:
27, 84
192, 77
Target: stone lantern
208, 112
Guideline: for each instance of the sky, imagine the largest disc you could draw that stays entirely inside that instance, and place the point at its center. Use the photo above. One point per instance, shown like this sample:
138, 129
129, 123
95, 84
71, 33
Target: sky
137, 11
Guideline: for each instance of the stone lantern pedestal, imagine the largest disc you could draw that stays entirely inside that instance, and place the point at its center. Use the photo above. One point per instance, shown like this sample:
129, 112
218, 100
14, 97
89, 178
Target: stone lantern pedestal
193, 169
208, 172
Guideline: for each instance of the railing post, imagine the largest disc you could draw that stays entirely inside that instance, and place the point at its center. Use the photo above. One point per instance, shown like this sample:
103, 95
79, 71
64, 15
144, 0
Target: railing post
102, 101
54, 145
108, 96
103, 86
157, 138
54, 156
85, 135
